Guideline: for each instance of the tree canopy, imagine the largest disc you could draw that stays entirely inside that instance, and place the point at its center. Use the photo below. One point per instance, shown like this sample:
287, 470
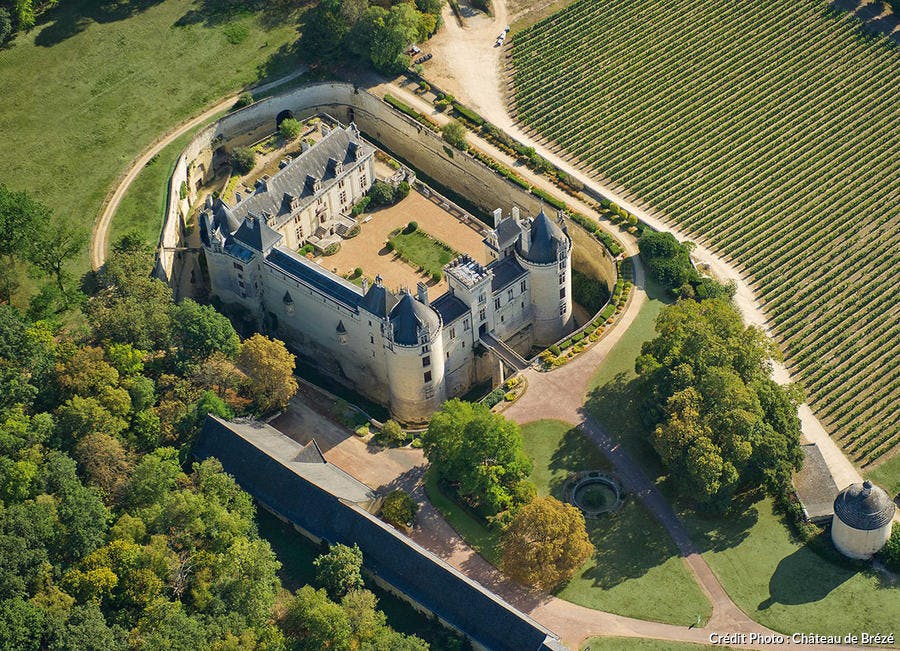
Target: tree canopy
719, 422
545, 543
480, 453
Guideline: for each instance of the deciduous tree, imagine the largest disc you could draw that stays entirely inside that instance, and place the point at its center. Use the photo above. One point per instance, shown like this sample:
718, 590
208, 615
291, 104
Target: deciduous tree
270, 369
340, 570
545, 543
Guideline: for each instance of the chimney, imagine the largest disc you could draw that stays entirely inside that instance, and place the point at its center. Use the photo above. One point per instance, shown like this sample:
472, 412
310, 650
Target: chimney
304, 146
365, 285
498, 215
325, 129
515, 213
422, 292
237, 197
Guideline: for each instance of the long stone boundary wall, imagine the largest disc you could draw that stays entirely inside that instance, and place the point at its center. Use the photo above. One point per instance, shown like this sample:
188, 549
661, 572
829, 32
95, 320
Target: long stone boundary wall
401, 135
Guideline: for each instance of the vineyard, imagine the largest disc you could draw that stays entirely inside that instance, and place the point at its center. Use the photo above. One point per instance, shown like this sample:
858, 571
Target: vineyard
771, 133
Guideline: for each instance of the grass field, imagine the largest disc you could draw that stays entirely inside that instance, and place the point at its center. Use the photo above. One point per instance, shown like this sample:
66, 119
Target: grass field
612, 394
791, 587
887, 475
767, 131
88, 89
421, 250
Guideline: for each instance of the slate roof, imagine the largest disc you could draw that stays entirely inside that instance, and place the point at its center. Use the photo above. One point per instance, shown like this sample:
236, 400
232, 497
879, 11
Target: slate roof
544, 240
254, 455
814, 485
864, 506
506, 271
378, 300
507, 231
256, 234
449, 307
274, 197
315, 276
408, 316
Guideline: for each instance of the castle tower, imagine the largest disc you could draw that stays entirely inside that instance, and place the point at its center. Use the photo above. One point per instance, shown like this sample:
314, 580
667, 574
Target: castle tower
545, 251
415, 360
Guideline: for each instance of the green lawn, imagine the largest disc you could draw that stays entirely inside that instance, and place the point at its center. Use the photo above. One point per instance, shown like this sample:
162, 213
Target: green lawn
791, 587
612, 393
93, 85
887, 475
421, 250
641, 644
635, 556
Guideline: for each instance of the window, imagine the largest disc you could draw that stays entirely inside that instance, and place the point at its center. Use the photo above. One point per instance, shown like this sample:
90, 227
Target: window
448, 355
466, 324
237, 266
509, 294
562, 310
482, 298
429, 392
299, 232
481, 315
341, 183
562, 292
502, 318
343, 196
453, 333
240, 283
562, 279
523, 305
427, 377
426, 361
425, 349
496, 303
371, 339
362, 181
523, 286
562, 263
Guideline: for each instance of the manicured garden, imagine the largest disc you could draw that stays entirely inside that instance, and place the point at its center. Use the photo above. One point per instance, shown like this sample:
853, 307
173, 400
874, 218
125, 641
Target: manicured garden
635, 557
92, 86
642, 644
419, 249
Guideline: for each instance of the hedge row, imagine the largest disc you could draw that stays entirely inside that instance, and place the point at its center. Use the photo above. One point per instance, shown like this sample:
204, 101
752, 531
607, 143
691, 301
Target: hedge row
553, 201
594, 229
411, 112
468, 113
501, 169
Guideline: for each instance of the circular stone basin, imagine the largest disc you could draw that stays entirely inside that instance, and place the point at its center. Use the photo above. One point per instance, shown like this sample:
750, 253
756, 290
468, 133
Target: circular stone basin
596, 495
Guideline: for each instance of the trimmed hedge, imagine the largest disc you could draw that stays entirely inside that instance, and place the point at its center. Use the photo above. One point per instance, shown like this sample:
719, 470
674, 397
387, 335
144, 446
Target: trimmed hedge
553, 201
468, 114
411, 112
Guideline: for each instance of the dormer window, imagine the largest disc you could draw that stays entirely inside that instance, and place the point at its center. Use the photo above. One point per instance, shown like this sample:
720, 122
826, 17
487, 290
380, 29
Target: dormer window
335, 166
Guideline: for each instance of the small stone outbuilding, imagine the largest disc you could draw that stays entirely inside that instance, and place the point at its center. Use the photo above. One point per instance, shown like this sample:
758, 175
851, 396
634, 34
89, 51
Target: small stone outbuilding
862, 520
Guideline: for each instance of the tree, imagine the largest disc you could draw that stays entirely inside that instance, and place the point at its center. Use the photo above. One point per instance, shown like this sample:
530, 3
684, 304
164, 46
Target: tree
5, 26
243, 159
290, 129
199, 331
398, 508
245, 99
316, 622
20, 217
269, 367
104, 462
382, 193
455, 133
890, 553
545, 543
52, 247
340, 570
480, 452
717, 420
392, 433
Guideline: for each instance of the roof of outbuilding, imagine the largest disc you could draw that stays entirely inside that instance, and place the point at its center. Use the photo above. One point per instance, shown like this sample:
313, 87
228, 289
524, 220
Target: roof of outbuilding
864, 506
544, 240
408, 316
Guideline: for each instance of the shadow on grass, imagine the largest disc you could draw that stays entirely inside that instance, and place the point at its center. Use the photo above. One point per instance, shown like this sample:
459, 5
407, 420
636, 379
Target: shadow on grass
575, 453
70, 18
810, 574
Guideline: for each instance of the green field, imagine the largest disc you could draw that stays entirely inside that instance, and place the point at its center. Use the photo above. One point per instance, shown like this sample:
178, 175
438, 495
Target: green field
767, 131
642, 644
421, 250
791, 587
95, 83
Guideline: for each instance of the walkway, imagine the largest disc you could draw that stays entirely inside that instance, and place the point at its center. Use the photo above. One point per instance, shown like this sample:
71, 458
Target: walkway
100, 231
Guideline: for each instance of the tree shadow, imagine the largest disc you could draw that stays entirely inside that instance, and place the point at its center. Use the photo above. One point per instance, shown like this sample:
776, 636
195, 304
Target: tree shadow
809, 574
70, 18
574, 454
874, 20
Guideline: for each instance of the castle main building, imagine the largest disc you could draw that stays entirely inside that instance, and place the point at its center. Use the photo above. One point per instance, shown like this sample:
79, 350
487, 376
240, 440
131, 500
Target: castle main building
402, 350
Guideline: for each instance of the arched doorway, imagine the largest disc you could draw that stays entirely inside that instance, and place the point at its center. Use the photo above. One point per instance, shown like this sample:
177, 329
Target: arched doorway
281, 117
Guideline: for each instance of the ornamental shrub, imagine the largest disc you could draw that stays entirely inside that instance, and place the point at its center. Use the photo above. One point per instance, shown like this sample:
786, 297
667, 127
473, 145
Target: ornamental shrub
243, 159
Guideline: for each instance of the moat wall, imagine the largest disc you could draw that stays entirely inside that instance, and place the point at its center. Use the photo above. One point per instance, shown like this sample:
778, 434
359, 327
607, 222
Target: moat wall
416, 144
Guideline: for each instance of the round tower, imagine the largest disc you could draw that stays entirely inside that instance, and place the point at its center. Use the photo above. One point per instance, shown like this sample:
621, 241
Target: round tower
862, 520
415, 360
545, 251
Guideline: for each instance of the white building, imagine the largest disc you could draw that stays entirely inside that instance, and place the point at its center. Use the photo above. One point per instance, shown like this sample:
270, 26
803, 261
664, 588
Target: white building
400, 349
863, 514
